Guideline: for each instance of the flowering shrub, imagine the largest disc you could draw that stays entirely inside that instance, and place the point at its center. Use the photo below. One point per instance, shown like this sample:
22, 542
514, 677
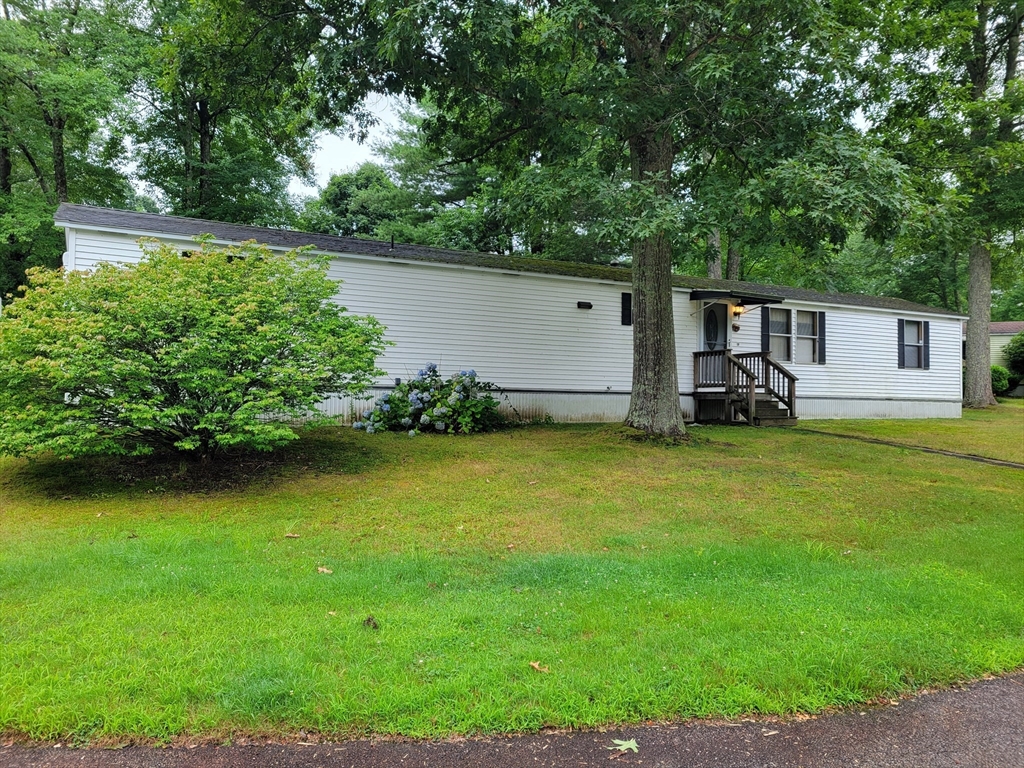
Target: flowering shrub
460, 404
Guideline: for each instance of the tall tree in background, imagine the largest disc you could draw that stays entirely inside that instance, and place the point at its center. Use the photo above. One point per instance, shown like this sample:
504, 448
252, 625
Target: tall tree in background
948, 98
227, 119
62, 75
648, 79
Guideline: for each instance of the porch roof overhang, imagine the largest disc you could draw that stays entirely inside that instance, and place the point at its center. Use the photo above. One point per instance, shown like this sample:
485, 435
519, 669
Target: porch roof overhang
740, 298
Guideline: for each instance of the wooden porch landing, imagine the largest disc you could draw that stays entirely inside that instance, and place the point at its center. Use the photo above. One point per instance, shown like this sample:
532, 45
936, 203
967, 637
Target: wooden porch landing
746, 388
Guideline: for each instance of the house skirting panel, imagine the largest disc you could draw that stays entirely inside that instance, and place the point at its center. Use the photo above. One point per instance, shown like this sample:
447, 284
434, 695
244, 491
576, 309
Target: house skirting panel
524, 405
583, 407
810, 407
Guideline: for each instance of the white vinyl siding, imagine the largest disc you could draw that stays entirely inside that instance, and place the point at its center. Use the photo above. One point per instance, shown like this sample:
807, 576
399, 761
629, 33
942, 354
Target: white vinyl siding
862, 362
525, 333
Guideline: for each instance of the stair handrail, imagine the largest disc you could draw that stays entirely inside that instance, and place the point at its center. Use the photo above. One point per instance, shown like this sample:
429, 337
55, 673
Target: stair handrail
732, 386
788, 395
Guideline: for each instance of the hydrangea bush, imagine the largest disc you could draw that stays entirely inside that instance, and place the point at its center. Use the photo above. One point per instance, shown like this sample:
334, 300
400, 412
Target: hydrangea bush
460, 404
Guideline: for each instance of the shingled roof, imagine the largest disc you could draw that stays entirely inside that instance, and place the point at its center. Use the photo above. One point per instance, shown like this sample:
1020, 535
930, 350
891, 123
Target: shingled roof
87, 216
1006, 327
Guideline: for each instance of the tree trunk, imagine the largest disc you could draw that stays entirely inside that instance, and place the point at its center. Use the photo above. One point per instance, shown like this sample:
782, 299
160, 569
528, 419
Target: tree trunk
205, 153
654, 403
735, 258
60, 170
978, 371
714, 257
6, 168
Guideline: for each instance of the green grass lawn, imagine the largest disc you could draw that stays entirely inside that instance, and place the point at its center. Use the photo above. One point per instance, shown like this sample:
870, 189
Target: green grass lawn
757, 571
997, 433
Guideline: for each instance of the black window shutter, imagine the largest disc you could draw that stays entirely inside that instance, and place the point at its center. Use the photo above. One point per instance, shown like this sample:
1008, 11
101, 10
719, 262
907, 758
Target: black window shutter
766, 340
627, 309
821, 338
901, 338
925, 352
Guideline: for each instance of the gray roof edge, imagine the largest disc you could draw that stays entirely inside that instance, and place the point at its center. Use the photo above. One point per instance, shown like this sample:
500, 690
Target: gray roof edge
72, 214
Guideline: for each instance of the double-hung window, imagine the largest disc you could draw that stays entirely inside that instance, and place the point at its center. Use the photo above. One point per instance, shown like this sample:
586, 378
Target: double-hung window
912, 343
802, 341
780, 328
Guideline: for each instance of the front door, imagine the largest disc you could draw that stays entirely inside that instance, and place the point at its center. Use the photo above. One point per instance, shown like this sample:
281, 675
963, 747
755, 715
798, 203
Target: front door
715, 327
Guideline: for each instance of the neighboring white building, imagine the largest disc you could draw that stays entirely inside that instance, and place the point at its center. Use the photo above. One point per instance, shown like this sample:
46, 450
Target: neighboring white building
999, 335
556, 337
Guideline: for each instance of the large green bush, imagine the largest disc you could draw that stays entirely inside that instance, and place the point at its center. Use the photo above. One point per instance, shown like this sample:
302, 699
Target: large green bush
197, 352
1000, 379
1014, 352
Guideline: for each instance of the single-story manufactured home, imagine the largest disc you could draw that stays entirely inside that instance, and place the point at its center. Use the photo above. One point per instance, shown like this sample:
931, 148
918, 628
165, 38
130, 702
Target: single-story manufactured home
557, 337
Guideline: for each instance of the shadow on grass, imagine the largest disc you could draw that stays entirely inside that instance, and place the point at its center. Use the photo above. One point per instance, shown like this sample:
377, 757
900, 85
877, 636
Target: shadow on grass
324, 450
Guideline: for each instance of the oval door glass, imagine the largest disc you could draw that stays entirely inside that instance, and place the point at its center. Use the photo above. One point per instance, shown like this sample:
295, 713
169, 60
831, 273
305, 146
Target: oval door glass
714, 327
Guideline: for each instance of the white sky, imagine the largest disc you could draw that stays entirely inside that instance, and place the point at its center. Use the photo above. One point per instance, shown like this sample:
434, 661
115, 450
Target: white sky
338, 153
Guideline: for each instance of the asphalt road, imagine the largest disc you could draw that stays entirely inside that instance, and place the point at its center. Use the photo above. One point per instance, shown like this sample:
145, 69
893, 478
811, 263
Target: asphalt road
979, 726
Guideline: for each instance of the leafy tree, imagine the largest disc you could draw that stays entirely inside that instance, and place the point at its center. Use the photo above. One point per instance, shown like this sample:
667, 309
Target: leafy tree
361, 203
649, 81
948, 99
62, 75
199, 354
227, 117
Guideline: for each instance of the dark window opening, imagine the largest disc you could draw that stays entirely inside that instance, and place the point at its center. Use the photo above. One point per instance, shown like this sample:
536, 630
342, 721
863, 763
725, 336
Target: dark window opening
627, 309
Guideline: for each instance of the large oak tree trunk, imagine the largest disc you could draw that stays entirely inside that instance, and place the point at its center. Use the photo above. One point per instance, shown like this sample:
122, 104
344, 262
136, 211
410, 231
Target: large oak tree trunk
654, 404
978, 372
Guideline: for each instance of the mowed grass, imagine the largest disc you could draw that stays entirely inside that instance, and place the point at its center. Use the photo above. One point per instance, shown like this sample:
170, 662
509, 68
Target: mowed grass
996, 433
756, 571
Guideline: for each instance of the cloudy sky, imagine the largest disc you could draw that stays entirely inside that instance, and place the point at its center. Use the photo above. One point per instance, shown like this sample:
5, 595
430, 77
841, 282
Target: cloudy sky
338, 153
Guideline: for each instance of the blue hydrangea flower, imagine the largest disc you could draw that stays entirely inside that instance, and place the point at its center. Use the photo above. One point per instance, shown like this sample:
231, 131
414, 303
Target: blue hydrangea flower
357, 425
431, 367
458, 387
385, 407
472, 373
366, 414
425, 397
424, 419
370, 430
412, 433
406, 421
439, 426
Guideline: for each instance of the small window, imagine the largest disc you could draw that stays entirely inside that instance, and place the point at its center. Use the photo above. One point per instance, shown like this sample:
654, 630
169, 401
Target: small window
806, 337
912, 342
780, 331
627, 309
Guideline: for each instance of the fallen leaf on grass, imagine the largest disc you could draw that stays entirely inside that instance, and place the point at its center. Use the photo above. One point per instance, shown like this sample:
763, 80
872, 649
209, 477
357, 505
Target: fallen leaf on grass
766, 732
536, 665
291, 535
622, 746
332, 613
533, 482
321, 569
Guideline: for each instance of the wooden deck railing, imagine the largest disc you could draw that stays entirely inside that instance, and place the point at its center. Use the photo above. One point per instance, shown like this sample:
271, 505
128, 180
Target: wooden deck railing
722, 369
742, 375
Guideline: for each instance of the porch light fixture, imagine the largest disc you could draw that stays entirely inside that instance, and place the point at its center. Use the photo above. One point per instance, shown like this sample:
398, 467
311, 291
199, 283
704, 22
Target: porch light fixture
738, 310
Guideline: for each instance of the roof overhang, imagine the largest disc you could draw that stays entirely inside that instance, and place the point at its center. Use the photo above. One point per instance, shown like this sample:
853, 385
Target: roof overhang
739, 298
